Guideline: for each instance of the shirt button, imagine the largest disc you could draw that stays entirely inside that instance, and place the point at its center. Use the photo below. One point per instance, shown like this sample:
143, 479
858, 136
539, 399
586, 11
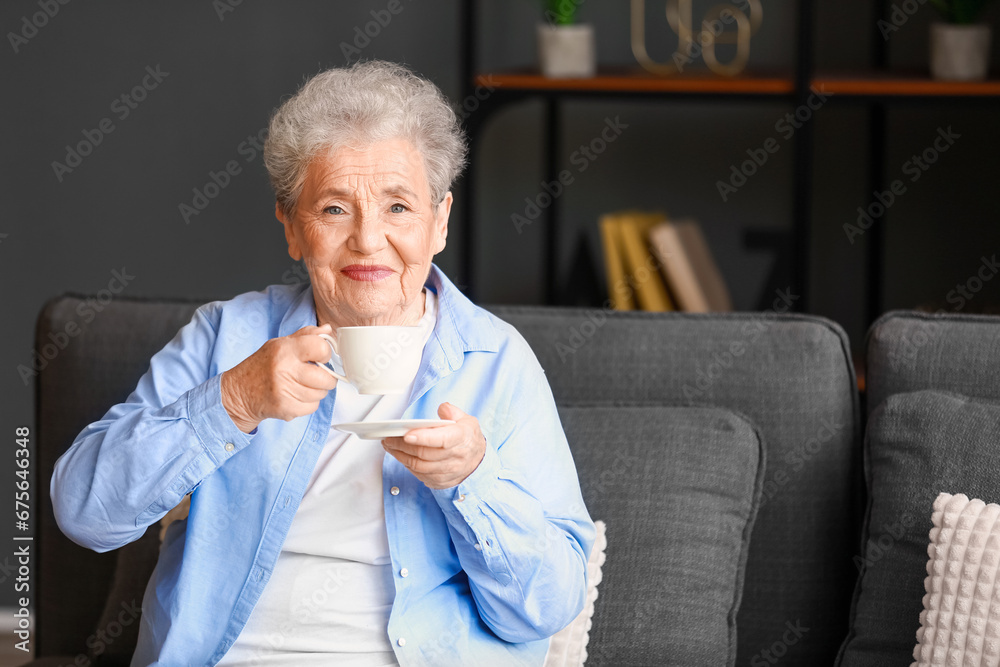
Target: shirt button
461, 498
230, 447
479, 547
401, 641
404, 572
394, 490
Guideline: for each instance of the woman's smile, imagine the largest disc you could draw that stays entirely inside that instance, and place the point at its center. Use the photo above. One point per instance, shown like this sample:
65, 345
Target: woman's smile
363, 273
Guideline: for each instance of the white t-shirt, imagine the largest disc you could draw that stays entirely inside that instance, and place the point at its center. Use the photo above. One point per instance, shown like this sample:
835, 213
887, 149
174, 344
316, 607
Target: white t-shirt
331, 591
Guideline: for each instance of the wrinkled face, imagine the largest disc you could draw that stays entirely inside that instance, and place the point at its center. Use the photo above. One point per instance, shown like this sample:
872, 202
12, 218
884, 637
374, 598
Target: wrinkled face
367, 231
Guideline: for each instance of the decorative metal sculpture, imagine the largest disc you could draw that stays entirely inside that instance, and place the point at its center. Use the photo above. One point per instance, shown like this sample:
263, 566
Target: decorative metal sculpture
746, 14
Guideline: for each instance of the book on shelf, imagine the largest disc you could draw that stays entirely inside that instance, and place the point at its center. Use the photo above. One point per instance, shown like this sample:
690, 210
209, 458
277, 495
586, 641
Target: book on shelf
690, 271
633, 276
619, 290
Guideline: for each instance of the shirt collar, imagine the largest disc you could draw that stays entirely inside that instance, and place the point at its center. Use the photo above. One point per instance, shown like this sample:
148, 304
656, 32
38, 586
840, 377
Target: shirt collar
301, 313
462, 326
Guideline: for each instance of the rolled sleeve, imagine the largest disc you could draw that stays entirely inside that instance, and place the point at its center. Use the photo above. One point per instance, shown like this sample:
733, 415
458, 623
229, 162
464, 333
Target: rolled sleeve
215, 428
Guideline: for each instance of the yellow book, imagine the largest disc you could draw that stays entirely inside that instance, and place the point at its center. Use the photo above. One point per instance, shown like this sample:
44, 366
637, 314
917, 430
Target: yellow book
640, 265
619, 290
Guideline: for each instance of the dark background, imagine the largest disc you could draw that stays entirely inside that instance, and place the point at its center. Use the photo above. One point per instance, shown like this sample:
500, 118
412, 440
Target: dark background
119, 209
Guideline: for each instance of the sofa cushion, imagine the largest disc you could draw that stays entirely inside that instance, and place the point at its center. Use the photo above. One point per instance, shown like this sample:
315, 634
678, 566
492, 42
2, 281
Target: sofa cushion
911, 351
792, 376
918, 444
679, 489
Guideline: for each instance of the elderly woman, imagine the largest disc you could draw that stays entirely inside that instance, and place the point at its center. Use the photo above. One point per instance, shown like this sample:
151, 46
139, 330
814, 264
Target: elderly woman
459, 544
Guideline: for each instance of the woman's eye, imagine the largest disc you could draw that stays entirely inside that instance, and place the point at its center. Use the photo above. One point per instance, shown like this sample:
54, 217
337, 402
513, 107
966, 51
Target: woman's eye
333, 210
398, 208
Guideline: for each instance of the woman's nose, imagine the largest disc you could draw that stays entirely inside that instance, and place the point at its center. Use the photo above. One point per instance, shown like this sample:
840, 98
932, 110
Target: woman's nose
368, 235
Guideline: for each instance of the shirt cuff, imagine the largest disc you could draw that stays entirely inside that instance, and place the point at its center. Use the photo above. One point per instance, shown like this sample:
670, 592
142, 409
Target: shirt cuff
466, 496
462, 506
215, 428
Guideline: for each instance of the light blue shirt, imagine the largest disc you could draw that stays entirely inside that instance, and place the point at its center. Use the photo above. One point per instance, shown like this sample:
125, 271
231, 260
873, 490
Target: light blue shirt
494, 566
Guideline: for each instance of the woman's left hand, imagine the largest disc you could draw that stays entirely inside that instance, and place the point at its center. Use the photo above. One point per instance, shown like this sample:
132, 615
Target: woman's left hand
441, 456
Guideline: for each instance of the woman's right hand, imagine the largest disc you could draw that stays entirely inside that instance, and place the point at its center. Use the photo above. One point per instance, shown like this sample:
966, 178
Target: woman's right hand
277, 381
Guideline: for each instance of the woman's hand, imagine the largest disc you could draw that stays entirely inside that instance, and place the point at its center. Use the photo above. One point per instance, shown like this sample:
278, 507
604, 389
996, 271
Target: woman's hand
277, 381
441, 456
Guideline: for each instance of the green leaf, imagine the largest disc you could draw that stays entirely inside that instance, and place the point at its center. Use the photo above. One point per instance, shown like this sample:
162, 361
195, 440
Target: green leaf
561, 12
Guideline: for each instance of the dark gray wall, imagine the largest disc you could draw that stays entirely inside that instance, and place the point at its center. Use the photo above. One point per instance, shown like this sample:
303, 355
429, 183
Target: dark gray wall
118, 210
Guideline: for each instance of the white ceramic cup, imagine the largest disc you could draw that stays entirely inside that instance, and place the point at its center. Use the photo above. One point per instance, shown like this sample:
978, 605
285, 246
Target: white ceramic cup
377, 360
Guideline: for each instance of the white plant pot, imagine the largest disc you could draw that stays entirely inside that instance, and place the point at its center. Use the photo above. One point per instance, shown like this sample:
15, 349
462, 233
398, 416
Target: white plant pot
960, 52
567, 51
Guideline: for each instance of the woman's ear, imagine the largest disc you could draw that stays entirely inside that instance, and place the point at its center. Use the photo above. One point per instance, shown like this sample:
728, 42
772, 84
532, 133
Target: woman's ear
441, 223
294, 251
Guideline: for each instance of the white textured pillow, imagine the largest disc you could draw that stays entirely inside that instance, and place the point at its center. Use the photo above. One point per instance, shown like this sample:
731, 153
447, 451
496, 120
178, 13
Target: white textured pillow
568, 647
960, 623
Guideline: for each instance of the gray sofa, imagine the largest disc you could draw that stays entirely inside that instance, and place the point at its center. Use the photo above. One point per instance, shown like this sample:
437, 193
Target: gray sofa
724, 453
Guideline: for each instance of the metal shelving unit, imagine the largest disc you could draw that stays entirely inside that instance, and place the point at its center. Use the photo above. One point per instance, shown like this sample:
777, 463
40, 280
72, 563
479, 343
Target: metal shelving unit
875, 88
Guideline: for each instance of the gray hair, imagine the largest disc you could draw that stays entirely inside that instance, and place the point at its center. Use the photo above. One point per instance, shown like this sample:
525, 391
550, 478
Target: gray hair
356, 106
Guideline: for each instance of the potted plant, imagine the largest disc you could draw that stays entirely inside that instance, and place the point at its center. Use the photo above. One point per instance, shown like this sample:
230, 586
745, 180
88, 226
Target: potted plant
565, 48
960, 47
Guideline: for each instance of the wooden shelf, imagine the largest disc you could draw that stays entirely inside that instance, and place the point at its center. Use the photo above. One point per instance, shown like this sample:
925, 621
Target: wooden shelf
639, 81
633, 80
871, 84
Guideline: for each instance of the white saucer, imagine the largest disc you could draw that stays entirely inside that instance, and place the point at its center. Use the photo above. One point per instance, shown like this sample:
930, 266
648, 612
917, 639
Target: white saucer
388, 429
